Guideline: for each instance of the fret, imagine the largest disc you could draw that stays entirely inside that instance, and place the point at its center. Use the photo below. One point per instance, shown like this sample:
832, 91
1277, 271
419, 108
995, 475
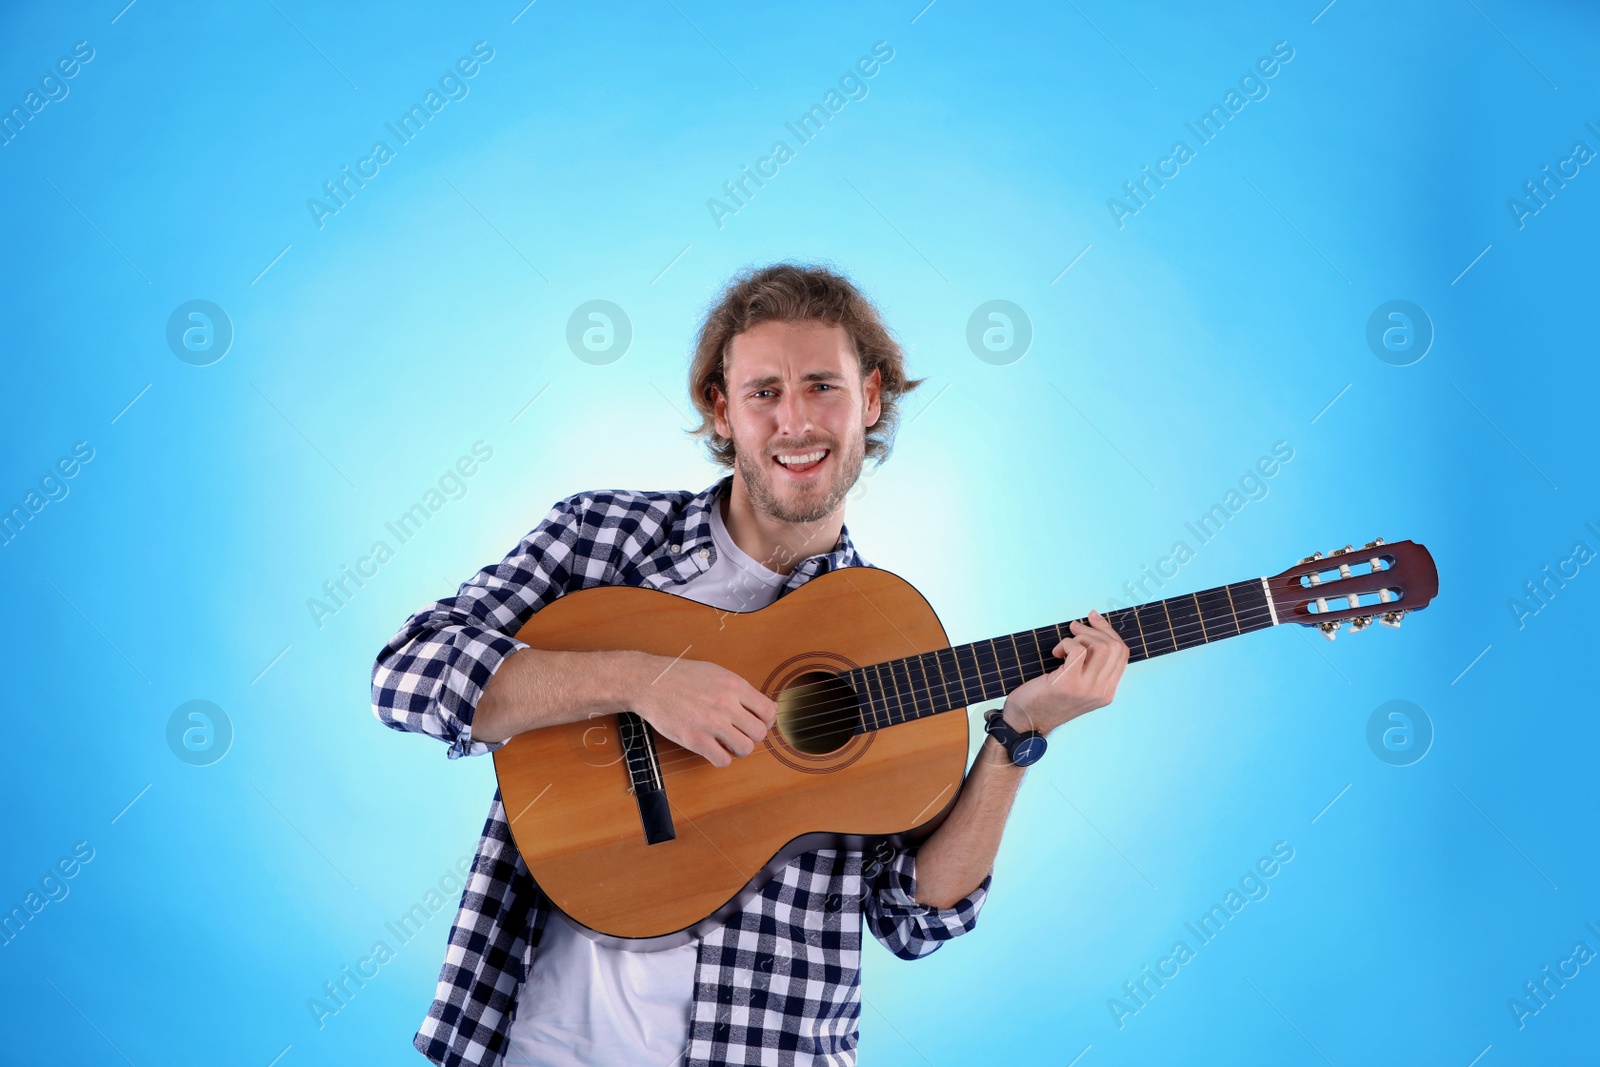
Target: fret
1010, 659
1058, 633
1036, 656
967, 665
891, 701
1184, 615
1126, 624
1155, 628
944, 663
880, 671
921, 695
989, 683
1216, 611
869, 719
1250, 601
899, 673
947, 699
1183, 637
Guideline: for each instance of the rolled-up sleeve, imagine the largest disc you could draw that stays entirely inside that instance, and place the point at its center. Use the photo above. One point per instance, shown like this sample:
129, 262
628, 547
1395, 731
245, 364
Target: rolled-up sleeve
430, 675
908, 929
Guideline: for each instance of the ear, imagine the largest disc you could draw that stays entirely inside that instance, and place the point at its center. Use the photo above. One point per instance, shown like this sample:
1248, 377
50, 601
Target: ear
872, 387
719, 413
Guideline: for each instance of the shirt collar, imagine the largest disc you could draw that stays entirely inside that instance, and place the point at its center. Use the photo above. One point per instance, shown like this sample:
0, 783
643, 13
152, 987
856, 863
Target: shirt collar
690, 542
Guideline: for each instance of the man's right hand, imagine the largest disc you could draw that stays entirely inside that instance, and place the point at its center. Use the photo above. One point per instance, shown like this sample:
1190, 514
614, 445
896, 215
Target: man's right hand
704, 707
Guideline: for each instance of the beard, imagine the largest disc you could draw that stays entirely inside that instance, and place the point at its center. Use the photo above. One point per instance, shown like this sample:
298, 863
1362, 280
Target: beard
807, 503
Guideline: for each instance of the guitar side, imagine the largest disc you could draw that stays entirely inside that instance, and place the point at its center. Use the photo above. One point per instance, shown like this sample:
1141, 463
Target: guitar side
566, 789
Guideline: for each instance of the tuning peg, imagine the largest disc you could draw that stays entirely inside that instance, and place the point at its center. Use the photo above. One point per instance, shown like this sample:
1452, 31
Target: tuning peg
1392, 618
1330, 630
1360, 623
1312, 558
1342, 551
1374, 543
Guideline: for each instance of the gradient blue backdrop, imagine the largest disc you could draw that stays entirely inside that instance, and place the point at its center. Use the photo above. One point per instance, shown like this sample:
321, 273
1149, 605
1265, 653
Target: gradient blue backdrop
1229, 313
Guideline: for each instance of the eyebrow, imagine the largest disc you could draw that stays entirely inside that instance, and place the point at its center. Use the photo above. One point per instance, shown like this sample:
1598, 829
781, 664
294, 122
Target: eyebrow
812, 376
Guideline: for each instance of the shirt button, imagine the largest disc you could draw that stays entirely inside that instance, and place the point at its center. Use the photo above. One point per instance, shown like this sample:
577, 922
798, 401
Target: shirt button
705, 553
677, 548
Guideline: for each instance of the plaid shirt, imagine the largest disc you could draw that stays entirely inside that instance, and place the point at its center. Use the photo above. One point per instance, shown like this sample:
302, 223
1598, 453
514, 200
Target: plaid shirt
779, 983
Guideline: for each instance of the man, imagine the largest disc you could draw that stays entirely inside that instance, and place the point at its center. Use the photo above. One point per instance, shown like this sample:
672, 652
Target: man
797, 381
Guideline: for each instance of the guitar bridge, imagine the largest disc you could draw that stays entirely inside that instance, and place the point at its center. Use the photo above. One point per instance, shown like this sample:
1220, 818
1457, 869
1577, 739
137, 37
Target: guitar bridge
644, 774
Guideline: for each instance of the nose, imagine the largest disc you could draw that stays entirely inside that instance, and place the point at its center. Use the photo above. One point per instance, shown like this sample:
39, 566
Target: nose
794, 414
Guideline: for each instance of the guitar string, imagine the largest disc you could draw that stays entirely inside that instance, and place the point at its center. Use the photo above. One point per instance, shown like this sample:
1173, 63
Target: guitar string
1178, 633
984, 677
829, 710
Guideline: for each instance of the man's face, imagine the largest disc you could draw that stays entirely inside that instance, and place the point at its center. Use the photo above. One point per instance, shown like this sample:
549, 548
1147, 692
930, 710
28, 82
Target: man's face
795, 391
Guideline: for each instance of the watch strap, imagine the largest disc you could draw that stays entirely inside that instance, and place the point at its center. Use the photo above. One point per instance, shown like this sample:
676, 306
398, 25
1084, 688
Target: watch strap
1023, 748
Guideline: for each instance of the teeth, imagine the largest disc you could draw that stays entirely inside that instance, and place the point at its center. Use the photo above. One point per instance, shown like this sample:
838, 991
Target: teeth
802, 460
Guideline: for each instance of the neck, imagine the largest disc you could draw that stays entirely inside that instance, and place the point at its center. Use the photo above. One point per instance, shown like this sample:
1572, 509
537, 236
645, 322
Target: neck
775, 543
900, 690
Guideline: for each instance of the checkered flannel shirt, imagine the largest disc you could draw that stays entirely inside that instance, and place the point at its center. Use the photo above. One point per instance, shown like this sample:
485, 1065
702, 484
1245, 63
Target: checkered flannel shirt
779, 983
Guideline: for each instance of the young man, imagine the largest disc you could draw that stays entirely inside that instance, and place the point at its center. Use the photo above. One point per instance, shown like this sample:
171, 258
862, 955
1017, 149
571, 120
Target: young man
797, 381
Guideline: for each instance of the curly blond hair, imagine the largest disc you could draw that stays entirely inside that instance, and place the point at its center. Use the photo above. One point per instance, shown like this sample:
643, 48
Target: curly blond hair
796, 292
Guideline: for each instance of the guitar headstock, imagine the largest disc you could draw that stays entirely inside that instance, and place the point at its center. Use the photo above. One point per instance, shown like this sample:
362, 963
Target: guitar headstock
1374, 583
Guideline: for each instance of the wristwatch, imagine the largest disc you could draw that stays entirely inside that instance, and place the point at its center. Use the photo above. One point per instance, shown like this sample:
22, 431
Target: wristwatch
1024, 748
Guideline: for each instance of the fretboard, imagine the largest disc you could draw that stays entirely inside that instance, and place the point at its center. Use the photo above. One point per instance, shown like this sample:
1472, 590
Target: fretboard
900, 690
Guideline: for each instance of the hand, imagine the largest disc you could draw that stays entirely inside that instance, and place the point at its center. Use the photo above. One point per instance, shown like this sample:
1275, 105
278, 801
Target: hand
704, 707
1095, 657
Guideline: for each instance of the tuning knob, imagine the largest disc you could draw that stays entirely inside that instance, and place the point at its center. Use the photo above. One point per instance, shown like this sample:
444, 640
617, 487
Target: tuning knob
1342, 551
1374, 543
1312, 558
1330, 630
1391, 618
1360, 623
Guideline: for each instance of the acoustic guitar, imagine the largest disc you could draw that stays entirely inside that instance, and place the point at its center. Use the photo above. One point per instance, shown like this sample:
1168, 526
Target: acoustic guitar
646, 844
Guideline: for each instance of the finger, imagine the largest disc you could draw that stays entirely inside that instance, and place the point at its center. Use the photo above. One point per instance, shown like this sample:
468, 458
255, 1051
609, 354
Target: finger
713, 751
1068, 647
1098, 633
1088, 635
734, 739
760, 706
1071, 651
1104, 625
750, 725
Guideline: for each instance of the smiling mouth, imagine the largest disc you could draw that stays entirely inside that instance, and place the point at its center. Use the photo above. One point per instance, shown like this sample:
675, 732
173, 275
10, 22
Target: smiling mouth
802, 462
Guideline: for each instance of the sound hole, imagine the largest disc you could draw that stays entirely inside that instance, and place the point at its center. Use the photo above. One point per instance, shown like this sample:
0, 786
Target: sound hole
818, 713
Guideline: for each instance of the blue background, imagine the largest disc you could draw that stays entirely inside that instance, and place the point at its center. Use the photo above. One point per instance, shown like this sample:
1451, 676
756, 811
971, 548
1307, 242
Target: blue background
1228, 313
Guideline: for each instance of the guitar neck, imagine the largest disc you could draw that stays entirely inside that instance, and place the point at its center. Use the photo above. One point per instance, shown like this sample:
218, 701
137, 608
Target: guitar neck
914, 687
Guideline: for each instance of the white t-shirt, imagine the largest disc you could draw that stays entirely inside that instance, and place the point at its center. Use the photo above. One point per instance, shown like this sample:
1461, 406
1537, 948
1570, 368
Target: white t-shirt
586, 1004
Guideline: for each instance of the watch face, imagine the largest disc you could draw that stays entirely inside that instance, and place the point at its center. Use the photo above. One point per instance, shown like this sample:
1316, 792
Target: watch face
1028, 751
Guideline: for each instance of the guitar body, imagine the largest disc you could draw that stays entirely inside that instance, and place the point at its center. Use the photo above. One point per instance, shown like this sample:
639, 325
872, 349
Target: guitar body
568, 791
